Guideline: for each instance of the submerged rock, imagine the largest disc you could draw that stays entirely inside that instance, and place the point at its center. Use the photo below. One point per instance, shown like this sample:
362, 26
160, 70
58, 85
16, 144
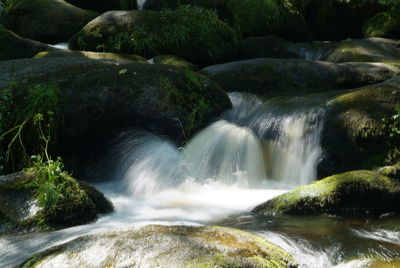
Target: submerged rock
356, 50
357, 132
194, 34
354, 192
20, 210
13, 46
58, 23
166, 246
384, 24
266, 75
97, 99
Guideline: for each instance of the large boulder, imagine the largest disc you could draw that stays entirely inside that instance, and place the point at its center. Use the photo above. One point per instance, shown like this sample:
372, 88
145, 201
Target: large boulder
194, 34
102, 6
384, 24
248, 17
58, 23
354, 192
266, 75
92, 100
352, 50
43, 198
361, 129
166, 246
13, 46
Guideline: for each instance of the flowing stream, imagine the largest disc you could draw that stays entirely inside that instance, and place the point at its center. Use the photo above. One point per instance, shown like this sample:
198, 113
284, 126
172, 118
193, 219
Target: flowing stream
261, 148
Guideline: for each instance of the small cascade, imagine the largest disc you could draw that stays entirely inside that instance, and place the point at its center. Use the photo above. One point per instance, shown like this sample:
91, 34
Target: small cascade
140, 4
289, 130
228, 153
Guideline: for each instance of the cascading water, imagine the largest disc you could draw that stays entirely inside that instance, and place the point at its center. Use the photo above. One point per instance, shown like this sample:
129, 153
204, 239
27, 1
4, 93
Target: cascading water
257, 150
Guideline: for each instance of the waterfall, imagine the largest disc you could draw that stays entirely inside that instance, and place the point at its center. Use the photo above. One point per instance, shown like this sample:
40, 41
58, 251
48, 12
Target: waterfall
259, 143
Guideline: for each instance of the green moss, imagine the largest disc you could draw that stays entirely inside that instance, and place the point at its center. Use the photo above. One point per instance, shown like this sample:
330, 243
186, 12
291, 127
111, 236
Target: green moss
90, 55
348, 52
350, 192
391, 171
174, 61
192, 33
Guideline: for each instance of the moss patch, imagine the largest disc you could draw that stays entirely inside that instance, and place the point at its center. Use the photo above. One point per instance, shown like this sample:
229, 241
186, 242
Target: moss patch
174, 61
347, 193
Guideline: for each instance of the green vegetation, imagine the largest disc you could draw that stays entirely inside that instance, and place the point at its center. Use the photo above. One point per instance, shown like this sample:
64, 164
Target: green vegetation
29, 117
384, 24
394, 124
192, 33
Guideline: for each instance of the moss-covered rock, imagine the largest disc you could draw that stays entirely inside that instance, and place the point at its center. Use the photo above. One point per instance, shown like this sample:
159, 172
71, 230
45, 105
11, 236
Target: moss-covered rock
102, 6
354, 192
90, 55
194, 34
250, 18
13, 46
24, 195
168, 246
60, 21
174, 61
278, 75
364, 50
357, 129
353, 50
93, 100
384, 24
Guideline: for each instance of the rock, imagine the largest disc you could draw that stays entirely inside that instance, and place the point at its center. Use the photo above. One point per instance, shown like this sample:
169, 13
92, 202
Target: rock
354, 192
60, 21
357, 129
266, 75
365, 50
102, 6
250, 18
166, 246
13, 46
191, 33
90, 55
98, 99
390, 171
384, 24
174, 61
337, 19
22, 211
355, 50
